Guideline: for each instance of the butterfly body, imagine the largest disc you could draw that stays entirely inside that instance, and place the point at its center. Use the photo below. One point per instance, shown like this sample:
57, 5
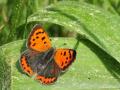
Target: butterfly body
42, 60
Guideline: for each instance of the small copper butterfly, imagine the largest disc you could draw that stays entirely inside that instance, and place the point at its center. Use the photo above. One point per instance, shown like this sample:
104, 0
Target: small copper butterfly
42, 60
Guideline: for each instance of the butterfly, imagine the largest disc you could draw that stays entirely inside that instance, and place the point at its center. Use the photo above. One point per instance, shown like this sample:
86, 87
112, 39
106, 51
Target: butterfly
43, 61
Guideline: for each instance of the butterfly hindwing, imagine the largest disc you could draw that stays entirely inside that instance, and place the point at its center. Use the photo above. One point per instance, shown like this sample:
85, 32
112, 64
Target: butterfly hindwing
28, 61
42, 64
38, 39
46, 80
49, 74
25, 65
64, 57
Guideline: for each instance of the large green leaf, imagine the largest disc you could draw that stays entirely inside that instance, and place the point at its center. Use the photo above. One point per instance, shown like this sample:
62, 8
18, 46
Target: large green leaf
98, 26
98, 62
91, 70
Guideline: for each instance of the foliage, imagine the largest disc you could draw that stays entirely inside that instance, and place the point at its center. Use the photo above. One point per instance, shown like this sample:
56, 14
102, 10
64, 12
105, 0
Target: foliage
94, 26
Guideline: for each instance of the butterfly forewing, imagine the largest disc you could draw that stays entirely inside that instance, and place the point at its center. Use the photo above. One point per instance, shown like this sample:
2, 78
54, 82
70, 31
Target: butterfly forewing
64, 57
38, 40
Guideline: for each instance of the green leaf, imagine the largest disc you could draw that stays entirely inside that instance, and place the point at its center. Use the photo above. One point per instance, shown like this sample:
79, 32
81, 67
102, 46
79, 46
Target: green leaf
17, 16
91, 70
99, 26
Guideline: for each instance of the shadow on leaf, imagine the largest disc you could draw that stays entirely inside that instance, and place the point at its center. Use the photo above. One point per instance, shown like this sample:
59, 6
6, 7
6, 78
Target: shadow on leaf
111, 64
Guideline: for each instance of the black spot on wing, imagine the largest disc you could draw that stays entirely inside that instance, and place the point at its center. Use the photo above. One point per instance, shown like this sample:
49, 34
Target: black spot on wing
65, 61
64, 53
45, 42
34, 44
28, 71
24, 67
39, 32
43, 38
40, 79
66, 58
37, 37
33, 39
42, 32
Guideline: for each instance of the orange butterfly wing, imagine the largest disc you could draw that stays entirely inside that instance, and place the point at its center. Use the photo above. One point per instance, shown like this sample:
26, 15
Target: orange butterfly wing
38, 39
25, 66
46, 80
64, 57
